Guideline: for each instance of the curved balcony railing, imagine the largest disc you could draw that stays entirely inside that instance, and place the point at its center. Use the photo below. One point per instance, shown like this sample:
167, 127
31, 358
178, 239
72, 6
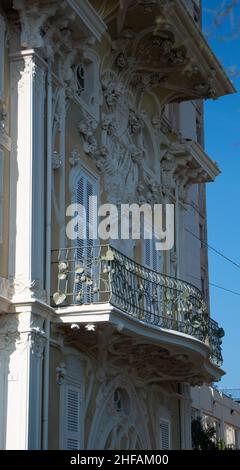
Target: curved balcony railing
100, 274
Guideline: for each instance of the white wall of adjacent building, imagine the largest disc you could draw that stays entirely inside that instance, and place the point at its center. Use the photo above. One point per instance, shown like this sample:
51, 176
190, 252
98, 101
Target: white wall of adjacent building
219, 410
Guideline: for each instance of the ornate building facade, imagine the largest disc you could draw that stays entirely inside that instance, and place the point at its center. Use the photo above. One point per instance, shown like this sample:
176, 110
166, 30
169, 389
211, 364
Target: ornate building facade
100, 342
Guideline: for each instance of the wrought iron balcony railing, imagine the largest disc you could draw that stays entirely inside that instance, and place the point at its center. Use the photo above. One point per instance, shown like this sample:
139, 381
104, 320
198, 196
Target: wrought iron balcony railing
101, 274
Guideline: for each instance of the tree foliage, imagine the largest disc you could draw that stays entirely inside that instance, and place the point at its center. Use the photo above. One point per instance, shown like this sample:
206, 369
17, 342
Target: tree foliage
203, 437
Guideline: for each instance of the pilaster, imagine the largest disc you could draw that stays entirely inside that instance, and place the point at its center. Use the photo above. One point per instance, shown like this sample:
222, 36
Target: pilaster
22, 342
185, 413
26, 252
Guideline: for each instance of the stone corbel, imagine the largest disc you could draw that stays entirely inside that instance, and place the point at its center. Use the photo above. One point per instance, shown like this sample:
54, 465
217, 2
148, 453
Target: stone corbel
33, 16
37, 341
8, 332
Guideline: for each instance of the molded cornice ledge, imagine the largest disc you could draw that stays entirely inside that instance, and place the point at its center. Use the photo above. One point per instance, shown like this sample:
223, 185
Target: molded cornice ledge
92, 21
221, 81
47, 25
185, 163
172, 52
197, 159
29, 53
210, 167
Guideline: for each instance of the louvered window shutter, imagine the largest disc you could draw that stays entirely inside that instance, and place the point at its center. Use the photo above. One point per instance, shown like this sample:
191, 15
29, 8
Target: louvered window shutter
152, 255
86, 188
148, 253
72, 418
80, 199
165, 429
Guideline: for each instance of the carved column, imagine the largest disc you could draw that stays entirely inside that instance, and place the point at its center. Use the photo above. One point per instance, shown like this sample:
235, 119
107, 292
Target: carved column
26, 265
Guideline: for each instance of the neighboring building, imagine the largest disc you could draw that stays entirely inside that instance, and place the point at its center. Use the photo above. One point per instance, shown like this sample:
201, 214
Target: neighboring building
218, 410
104, 99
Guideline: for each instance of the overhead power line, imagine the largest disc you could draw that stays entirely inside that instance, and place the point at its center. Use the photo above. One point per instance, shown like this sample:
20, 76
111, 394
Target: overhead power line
216, 285
225, 289
237, 265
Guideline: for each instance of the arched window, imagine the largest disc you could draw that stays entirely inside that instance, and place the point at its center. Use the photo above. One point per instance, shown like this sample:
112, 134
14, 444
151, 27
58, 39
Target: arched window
121, 401
80, 79
87, 83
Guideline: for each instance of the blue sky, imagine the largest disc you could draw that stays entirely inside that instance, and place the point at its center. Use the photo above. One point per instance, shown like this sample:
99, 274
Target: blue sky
222, 138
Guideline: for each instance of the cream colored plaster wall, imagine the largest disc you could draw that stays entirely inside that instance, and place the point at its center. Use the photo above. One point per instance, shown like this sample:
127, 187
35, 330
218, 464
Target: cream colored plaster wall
158, 402
209, 401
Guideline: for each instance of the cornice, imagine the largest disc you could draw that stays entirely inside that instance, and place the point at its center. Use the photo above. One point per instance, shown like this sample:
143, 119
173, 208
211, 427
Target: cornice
204, 160
29, 53
177, 47
225, 85
185, 163
189, 152
92, 21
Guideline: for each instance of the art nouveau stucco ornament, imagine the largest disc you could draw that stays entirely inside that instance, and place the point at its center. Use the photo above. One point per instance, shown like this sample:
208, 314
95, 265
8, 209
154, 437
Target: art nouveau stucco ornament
56, 160
74, 158
33, 16
87, 128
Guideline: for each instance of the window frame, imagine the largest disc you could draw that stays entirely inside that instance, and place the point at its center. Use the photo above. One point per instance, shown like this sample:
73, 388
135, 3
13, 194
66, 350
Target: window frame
74, 378
94, 179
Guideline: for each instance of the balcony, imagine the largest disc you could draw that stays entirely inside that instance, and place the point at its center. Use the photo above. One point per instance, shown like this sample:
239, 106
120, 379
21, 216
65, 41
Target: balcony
174, 61
91, 279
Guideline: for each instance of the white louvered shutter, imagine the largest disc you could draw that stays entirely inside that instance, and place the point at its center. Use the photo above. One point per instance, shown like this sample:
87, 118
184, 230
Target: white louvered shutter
72, 418
152, 261
86, 188
80, 199
152, 255
165, 437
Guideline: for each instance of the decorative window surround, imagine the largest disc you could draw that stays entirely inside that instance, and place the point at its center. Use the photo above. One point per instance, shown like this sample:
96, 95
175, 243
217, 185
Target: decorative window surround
2, 54
75, 174
87, 87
